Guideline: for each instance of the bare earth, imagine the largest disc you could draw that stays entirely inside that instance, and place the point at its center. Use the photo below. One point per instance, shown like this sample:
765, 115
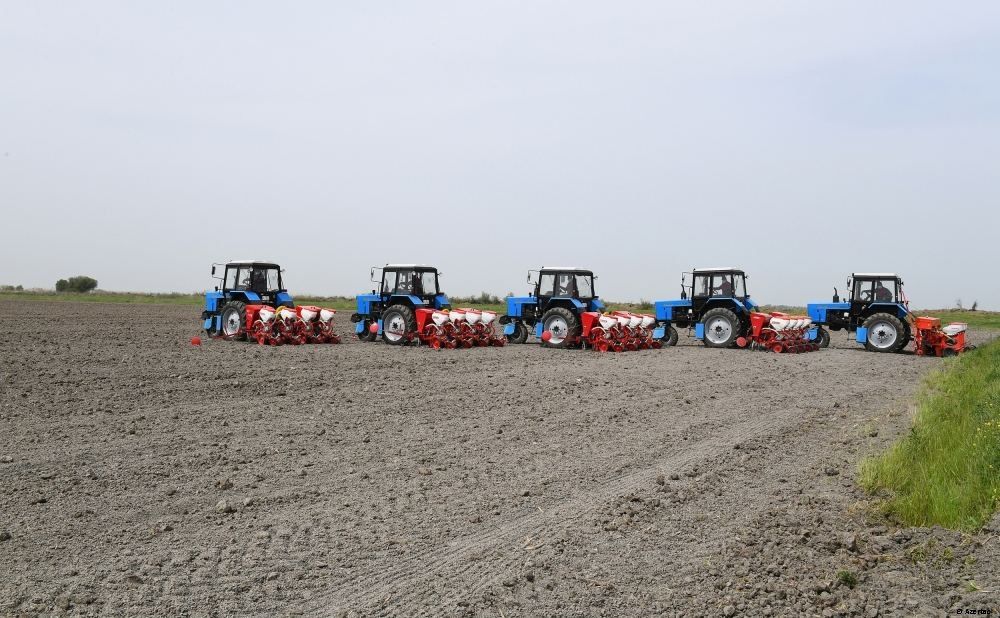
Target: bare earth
370, 480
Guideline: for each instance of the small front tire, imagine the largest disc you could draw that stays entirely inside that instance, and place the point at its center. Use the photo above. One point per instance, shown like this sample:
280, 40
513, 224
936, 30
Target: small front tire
670, 337
520, 334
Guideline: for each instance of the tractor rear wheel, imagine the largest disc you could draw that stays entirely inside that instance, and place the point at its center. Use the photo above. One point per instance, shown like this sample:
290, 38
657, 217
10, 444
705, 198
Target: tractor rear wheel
563, 327
520, 333
670, 338
885, 333
398, 323
722, 328
822, 337
234, 320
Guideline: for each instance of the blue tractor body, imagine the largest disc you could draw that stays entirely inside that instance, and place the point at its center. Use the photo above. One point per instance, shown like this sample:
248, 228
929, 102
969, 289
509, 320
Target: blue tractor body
876, 311
244, 282
560, 295
716, 305
408, 286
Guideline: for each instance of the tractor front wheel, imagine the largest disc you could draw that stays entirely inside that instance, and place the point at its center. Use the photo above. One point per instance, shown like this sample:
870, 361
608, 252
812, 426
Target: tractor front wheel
520, 334
822, 337
670, 338
885, 333
398, 323
234, 320
722, 328
563, 327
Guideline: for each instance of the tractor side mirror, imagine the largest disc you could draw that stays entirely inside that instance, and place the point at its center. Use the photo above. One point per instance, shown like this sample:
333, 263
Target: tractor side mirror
213, 270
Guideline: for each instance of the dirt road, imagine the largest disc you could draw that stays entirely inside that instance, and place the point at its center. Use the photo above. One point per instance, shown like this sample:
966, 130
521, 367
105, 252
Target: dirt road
140, 475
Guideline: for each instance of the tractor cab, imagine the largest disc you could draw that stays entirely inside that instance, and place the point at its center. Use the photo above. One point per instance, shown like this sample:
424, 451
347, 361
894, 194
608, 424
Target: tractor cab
262, 279
408, 280
568, 283
711, 284
867, 288
243, 282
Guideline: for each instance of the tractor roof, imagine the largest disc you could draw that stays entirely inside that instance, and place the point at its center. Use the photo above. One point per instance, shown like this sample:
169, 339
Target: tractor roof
875, 275
567, 269
251, 263
408, 266
721, 269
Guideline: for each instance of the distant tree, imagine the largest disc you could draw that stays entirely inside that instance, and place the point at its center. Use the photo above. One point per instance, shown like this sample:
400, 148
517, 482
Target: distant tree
80, 285
958, 303
19, 288
975, 305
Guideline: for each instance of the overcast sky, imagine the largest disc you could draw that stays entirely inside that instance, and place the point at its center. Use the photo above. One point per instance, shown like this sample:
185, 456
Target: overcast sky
140, 142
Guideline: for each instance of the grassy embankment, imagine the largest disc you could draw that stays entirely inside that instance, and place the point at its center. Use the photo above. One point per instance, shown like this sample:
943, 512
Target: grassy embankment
946, 471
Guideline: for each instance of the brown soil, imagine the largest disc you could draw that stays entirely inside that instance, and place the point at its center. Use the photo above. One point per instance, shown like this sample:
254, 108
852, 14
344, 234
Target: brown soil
140, 475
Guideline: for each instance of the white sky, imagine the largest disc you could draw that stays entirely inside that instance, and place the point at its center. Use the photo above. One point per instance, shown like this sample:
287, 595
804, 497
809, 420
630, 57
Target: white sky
139, 142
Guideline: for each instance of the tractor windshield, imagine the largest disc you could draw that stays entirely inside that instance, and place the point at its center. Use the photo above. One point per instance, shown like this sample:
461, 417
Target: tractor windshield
875, 290
259, 279
730, 285
415, 282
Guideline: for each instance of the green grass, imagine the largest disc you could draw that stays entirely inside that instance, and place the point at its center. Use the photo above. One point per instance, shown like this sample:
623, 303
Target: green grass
946, 471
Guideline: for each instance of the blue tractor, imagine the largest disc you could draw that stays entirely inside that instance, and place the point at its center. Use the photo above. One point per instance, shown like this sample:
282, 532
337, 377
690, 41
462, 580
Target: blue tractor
716, 304
877, 311
560, 295
244, 282
402, 289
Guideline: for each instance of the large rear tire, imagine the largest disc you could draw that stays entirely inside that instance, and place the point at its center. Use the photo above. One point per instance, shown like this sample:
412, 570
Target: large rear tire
822, 337
398, 324
885, 333
520, 333
234, 320
563, 326
722, 328
670, 338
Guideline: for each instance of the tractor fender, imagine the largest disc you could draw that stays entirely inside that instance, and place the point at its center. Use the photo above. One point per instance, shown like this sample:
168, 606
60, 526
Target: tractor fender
570, 303
413, 301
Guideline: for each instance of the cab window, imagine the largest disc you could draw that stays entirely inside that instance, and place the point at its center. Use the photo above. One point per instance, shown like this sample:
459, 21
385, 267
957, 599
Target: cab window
546, 285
